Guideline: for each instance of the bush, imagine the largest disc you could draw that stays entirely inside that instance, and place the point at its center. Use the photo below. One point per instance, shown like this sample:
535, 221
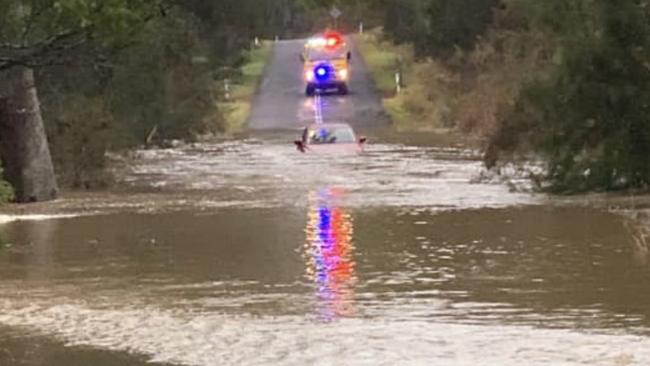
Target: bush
589, 117
163, 82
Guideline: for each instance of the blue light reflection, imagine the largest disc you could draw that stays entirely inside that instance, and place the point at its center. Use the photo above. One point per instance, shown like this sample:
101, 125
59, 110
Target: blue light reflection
329, 254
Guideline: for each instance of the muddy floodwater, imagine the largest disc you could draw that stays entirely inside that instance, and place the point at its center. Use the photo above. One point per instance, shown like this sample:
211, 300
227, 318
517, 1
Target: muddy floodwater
244, 252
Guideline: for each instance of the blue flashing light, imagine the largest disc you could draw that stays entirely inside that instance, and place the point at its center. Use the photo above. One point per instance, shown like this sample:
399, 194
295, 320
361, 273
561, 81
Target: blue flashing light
322, 72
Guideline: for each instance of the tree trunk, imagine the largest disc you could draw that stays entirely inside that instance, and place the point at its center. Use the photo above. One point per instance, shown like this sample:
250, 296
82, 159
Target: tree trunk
23, 144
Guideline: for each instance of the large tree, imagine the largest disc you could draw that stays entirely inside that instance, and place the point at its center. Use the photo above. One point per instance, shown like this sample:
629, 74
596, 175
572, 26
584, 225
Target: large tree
41, 33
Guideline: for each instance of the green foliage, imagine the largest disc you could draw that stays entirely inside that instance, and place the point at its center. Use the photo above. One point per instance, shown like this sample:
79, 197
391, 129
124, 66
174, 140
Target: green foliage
165, 80
159, 86
135, 72
567, 81
405, 22
457, 24
436, 27
34, 23
588, 118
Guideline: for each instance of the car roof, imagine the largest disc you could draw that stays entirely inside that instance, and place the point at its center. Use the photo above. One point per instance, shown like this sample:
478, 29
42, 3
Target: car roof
330, 124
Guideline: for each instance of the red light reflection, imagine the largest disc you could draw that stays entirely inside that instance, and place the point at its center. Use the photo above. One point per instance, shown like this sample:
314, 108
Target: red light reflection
329, 254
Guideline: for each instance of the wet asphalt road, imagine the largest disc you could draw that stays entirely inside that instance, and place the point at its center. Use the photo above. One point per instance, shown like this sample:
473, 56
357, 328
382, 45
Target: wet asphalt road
281, 102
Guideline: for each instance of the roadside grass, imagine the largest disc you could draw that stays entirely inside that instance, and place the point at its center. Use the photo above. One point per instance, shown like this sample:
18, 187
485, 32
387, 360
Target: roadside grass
470, 93
237, 109
423, 102
383, 61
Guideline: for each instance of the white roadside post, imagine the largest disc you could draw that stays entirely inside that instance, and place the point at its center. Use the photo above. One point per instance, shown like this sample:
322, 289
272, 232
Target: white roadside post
336, 13
361, 28
277, 38
257, 42
226, 87
398, 83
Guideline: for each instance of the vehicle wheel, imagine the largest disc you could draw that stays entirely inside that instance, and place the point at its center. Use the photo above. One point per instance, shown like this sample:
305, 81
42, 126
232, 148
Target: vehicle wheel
310, 90
343, 90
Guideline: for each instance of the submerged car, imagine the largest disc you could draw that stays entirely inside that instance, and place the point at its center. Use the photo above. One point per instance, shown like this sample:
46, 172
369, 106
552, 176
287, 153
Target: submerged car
330, 138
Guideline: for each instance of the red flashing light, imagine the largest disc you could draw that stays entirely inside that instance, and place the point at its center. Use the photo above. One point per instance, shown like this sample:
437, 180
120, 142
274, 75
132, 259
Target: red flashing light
333, 40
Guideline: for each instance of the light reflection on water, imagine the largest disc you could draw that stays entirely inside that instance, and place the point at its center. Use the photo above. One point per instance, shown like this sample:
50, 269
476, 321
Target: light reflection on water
499, 287
329, 254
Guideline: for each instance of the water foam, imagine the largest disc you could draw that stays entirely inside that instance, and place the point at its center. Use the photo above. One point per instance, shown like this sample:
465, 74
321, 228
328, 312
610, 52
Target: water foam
207, 339
5, 219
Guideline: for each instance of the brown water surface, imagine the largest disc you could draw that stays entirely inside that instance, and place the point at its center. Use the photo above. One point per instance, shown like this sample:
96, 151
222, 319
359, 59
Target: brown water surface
244, 252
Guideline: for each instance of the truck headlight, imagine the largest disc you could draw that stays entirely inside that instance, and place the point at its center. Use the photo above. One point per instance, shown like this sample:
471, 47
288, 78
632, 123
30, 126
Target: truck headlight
343, 74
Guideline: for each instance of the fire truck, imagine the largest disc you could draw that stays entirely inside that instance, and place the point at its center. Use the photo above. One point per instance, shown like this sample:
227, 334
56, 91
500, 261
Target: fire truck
326, 64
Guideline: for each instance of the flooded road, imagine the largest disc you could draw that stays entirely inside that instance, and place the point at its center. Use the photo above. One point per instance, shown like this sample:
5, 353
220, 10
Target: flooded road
392, 257
245, 252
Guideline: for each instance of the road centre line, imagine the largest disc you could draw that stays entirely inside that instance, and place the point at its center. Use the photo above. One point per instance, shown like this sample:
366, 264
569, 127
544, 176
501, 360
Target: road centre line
318, 109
